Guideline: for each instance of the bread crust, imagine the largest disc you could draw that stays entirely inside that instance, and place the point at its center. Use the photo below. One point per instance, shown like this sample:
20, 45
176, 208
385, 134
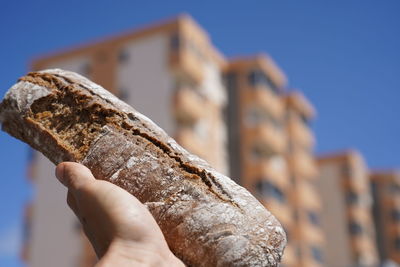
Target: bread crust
206, 218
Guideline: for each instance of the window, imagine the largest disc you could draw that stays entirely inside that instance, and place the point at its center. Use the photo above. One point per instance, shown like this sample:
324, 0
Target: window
352, 198
355, 228
123, 56
395, 215
230, 80
101, 57
85, 69
254, 117
346, 170
123, 93
259, 78
27, 230
304, 119
293, 179
175, 42
397, 243
261, 151
296, 215
267, 189
313, 217
257, 115
317, 254
298, 251
394, 189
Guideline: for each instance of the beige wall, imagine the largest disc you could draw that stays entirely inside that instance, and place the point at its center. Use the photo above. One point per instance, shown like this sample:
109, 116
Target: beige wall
349, 171
55, 232
146, 79
333, 217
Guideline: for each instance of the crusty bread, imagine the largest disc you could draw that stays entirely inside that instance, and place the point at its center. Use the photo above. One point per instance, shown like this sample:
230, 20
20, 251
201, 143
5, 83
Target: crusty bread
206, 218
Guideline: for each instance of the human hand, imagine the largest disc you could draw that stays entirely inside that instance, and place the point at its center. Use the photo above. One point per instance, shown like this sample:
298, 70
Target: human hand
120, 228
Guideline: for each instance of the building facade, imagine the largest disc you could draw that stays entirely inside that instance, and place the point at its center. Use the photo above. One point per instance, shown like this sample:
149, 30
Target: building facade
170, 72
256, 134
271, 152
386, 210
347, 214
306, 235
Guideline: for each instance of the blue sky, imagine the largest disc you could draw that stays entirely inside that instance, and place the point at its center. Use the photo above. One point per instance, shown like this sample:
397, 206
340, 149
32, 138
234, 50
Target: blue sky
342, 54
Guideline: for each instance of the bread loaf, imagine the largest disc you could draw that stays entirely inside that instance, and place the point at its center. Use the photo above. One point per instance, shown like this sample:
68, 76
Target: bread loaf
206, 218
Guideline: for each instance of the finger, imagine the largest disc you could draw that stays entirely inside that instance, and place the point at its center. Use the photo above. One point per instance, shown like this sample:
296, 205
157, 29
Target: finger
73, 175
72, 203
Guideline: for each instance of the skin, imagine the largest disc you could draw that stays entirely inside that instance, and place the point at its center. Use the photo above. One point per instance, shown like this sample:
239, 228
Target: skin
120, 228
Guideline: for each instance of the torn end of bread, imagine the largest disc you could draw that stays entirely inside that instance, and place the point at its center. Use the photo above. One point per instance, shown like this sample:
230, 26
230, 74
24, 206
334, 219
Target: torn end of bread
206, 218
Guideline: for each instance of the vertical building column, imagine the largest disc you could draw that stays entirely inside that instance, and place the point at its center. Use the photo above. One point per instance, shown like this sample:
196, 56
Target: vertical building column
385, 187
306, 238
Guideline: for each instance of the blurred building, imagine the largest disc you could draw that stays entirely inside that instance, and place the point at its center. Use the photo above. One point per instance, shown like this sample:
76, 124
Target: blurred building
306, 236
257, 136
347, 214
386, 194
270, 148
170, 72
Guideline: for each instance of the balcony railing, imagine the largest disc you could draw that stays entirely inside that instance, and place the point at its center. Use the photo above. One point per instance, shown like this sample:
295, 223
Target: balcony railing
185, 61
268, 100
308, 196
266, 137
300, 134
304, 165
188, 106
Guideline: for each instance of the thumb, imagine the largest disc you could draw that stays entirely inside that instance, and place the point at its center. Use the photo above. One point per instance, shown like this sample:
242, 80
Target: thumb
73, 175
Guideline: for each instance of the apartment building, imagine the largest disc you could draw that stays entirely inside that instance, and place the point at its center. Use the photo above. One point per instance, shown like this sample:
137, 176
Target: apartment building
386, 210
347, 210
256, 131
305, 234
270, 148
170, 72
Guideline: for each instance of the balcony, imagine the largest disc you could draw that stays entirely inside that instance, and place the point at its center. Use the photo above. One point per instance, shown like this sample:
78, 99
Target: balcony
300, 133
188, 106
365, 247
357, 183
308, 196
185, 59
265, 137
361, 214
304, 165
272, 168
308, 233
267, 99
